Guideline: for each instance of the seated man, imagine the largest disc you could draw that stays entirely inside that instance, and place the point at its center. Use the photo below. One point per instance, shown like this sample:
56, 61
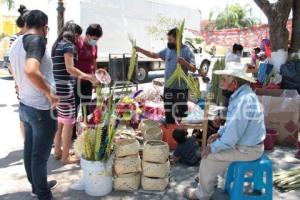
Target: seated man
240, 139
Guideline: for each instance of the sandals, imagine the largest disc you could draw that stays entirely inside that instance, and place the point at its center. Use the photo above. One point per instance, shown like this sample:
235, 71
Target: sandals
190, 193
57, 155
70, 160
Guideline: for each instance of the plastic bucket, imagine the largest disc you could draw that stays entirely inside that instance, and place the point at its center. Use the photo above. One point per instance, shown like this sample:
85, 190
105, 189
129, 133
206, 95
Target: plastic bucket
97, 177
168, 135
271, 138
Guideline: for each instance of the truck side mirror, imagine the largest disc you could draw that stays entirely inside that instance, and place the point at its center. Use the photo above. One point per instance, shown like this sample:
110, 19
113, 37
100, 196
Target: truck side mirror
196, 51
200, 50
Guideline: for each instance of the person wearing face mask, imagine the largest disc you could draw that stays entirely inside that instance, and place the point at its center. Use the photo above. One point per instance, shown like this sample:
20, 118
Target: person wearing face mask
235, 55
32, 69
240, 139
87, 55
64, 57
176, 96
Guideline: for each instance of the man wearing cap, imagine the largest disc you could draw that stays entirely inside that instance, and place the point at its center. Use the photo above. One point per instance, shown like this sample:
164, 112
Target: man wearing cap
240, 139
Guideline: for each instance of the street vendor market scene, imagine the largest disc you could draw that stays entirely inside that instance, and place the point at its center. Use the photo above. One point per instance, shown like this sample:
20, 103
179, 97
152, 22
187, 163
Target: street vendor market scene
150, 99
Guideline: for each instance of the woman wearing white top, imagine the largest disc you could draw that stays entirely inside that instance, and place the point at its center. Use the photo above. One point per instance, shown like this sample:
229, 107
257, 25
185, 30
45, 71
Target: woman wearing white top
235, 54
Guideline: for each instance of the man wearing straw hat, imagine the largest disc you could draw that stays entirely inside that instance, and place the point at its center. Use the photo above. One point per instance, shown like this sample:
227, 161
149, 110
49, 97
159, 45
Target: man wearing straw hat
240, 139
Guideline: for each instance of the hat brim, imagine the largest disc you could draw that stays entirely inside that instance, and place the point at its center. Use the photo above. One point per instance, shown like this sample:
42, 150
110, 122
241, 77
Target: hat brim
232, 73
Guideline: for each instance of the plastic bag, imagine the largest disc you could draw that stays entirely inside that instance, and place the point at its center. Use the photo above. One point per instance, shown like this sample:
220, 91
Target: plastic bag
290, 75
263, 71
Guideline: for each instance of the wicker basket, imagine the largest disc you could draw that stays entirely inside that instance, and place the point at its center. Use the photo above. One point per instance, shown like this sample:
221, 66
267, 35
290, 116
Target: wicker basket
156, 170
146, 124
128, 164
156, 151
157, 184
127, 182
153, 133
126, 147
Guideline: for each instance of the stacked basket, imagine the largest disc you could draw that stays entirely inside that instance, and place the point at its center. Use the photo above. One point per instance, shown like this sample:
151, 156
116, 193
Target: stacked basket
155, 165
150, 130
127, 165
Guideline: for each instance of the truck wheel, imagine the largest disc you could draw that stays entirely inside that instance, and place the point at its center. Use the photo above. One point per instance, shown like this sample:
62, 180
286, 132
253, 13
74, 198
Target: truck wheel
204, 68
142, 73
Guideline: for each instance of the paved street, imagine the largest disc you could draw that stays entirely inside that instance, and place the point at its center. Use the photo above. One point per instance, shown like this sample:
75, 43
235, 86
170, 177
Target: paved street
14, 185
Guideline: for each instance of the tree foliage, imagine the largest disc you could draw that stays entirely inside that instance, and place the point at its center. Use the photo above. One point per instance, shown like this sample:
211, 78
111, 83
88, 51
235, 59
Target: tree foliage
233, 16
9, 3
161, 26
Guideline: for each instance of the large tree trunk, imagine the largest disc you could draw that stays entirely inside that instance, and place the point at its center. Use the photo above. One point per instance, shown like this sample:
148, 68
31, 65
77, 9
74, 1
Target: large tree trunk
277, 14
60, 16
295, 45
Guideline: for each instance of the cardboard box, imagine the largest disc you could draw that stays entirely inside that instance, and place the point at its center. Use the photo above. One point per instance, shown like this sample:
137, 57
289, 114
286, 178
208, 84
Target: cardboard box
281, 109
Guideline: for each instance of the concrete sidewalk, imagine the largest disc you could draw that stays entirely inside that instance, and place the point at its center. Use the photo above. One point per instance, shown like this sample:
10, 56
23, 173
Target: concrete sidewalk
14, 184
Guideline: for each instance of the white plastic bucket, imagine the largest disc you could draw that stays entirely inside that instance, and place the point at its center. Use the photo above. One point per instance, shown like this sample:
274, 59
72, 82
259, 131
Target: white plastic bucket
97, 177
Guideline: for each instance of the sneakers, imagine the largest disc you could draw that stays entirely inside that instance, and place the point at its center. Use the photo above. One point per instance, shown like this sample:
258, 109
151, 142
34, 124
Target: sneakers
52, 184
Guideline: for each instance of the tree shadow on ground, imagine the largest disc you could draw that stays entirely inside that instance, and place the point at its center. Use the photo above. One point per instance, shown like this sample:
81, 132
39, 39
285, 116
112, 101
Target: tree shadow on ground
13, 158
16, 196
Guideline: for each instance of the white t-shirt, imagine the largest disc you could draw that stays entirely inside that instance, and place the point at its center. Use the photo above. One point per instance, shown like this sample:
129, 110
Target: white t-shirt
28, 93
232, 57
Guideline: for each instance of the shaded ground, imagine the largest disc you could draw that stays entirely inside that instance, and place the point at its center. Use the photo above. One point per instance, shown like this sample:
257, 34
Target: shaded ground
14, 185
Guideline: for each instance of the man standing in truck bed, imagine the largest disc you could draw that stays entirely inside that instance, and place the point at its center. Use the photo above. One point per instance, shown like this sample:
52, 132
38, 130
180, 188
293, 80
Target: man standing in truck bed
175, 96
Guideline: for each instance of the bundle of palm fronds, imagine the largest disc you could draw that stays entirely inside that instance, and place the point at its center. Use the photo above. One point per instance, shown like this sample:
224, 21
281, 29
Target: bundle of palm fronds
178, 74
194, 86
216, 91
98, 140
89, 144
287, 180
133, 58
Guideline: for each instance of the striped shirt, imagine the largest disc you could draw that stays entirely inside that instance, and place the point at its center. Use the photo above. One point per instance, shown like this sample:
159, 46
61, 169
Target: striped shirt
63, 80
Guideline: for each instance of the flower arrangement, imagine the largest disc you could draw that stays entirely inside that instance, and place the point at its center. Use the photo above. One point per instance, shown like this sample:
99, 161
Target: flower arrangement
128, 109
97, 139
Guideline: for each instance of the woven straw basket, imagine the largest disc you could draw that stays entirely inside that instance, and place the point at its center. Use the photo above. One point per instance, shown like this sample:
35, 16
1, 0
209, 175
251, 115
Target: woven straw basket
156, 170
146, 124
156, 151
157, 184
127, 182
153, 133
126, 147
129, 164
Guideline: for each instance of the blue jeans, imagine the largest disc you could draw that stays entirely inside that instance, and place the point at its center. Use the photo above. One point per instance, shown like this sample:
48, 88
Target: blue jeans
40, 127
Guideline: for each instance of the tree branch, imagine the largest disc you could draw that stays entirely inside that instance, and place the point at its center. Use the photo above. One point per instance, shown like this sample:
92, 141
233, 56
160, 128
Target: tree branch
264, 5
284, 4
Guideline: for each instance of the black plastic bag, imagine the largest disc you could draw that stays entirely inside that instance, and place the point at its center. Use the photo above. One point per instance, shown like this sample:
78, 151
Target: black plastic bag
291, 75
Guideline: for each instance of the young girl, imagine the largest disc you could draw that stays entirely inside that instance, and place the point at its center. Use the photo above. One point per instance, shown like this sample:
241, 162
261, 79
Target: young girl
64, 56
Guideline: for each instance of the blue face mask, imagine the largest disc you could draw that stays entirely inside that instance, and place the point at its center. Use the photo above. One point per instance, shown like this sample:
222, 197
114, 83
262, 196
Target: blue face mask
93, 42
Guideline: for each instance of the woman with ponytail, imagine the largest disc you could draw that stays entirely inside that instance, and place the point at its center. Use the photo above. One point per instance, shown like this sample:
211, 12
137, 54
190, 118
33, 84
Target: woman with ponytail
64, 57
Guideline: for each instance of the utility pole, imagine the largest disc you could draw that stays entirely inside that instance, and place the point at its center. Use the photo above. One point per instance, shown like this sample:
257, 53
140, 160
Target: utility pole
60, 16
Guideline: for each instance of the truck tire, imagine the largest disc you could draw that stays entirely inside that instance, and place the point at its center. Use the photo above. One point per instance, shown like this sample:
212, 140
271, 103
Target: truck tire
142, 74
204, 68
